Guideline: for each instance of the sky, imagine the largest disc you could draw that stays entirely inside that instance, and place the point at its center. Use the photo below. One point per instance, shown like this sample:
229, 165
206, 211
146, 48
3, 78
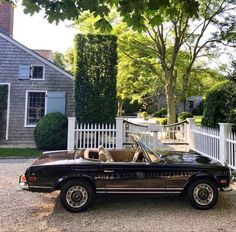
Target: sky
35, 32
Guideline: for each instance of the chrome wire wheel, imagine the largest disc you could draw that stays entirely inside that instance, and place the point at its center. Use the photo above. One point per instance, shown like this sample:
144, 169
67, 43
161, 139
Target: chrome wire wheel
76, 196
203, 194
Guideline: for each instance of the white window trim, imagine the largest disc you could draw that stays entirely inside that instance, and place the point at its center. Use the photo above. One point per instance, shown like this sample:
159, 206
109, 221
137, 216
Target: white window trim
26, 104
8, 108
31, 72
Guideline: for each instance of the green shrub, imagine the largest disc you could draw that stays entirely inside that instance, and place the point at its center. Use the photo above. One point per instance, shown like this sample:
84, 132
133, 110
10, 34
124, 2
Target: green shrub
220, 104
145, 115
51, 132
156, 114
184, 115
163, 121
163, 112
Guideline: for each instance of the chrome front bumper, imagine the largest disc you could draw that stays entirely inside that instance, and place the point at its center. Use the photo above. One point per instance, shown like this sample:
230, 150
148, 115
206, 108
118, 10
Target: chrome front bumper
227, 189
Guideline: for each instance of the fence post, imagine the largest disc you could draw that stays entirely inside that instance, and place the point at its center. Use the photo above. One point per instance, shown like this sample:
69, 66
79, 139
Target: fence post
188, 135
155, 140
225, 128
71, 134
119, 133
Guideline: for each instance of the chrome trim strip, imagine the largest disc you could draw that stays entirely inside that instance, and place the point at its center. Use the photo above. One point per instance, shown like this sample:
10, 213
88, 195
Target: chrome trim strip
177, 192
43, 187
167, 189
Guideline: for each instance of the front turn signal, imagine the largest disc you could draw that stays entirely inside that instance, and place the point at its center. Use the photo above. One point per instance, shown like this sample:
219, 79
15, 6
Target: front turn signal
23, 179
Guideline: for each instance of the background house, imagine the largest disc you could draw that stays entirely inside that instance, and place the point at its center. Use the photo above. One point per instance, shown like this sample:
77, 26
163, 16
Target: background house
31, 84
191, 103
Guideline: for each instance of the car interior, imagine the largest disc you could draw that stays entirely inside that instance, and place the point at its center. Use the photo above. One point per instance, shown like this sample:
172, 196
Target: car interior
112, 155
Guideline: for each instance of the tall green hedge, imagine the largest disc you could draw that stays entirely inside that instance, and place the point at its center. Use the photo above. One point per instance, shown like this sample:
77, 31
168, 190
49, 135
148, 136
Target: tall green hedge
220, 105
95, 78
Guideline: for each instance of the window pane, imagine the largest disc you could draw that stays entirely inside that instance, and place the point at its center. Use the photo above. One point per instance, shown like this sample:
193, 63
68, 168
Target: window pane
35, 108
37, 72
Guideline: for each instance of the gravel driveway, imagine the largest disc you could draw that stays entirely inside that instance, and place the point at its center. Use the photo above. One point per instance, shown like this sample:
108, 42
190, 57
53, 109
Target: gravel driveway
25, 211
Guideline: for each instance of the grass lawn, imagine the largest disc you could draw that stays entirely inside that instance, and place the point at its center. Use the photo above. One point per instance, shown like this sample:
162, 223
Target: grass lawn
19, 152
198, 120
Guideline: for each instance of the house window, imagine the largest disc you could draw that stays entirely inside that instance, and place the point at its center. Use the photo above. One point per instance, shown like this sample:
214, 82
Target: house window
33, 72
191, 104
35, 107
37, 72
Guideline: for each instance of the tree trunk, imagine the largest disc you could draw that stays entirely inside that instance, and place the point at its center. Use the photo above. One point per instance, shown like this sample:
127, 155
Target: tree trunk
171, 108
120, 108
170, 98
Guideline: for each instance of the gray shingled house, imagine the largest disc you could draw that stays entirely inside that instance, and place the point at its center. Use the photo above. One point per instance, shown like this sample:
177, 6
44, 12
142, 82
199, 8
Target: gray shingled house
34, 86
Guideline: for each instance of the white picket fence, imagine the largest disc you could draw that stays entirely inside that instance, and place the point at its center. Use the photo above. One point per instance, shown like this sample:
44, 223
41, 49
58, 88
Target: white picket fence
219, 144
93, 135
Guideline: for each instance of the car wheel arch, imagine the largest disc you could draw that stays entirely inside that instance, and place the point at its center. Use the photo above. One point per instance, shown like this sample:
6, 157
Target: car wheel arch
65, 179
200, 177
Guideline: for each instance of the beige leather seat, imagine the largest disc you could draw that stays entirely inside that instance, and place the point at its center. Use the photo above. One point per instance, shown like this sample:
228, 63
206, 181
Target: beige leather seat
104, 155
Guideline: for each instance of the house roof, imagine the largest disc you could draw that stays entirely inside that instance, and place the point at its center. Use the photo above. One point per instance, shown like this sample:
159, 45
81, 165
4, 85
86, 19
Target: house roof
36, 55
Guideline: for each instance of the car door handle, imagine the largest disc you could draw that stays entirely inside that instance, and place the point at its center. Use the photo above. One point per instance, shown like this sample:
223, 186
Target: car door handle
108, 170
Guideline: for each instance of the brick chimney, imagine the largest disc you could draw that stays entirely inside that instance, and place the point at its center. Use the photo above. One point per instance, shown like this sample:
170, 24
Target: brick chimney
6, 19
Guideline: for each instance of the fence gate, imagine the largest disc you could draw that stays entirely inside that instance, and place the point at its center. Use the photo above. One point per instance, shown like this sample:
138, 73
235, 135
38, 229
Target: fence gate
157, 136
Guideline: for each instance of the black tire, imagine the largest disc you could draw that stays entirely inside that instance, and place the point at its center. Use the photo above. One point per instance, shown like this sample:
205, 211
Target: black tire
77, 195
203, 194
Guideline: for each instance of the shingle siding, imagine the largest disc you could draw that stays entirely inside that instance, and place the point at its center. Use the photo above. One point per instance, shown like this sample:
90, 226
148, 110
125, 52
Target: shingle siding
11, 57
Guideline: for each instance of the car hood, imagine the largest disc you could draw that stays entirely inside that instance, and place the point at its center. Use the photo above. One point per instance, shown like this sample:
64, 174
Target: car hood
189, 158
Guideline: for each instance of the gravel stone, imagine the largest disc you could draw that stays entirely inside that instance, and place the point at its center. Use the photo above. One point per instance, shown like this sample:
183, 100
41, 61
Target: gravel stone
26, 211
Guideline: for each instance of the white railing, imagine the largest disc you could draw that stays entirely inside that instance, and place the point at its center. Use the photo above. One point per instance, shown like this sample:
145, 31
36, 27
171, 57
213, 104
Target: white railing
142, 131
231, 149
219, 144
206, 141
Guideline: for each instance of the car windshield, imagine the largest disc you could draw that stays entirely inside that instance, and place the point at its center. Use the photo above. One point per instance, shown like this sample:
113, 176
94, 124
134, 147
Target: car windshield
152, 155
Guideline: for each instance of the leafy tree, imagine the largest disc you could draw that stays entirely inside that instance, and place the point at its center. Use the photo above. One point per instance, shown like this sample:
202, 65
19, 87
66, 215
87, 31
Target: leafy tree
95, 78
172, 26
58, 59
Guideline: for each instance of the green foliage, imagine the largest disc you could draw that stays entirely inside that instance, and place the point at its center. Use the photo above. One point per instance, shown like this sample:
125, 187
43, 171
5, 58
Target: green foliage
198, 110
19, 152
133, 12
58, 59
131, 108
65, 60
51, 132
220, 105
161, 113
184, 115
144, 115
161, 121
95, 78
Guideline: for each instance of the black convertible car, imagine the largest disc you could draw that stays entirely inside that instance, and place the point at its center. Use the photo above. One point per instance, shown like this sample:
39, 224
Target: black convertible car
80, 175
